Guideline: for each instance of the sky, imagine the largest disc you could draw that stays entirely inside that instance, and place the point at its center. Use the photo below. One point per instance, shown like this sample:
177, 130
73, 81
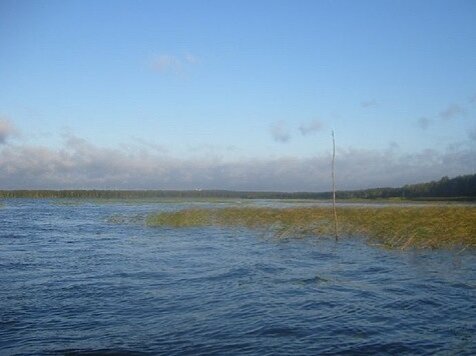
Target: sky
239, 95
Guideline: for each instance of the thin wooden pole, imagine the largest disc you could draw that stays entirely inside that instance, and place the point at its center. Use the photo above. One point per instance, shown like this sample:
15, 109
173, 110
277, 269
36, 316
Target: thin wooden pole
334, 185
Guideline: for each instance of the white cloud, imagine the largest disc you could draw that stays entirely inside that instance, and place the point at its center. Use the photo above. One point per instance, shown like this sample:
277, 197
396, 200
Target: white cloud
368, 103
424, 122
311, 127
144, 144
452, 111
211, 149
166, 63
190, 58
472, 134
392, 145
279, 132
80, 164
7, 129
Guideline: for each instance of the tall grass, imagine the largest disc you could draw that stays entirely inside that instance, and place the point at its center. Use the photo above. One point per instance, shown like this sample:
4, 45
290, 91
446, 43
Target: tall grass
395, 227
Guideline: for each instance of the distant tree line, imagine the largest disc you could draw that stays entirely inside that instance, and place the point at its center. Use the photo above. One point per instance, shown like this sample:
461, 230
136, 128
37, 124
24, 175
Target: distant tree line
145, 194
461, 186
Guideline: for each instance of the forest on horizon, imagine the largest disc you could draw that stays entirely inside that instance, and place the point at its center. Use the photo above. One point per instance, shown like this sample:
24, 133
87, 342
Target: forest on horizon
463, 187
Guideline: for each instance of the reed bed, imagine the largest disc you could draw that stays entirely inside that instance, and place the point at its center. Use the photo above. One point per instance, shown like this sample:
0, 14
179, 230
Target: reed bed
394, 227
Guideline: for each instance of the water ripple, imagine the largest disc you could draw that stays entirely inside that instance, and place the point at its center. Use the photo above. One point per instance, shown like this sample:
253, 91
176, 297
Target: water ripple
77, 282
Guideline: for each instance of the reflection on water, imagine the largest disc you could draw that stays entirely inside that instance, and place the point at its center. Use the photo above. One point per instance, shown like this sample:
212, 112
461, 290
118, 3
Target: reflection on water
73, 282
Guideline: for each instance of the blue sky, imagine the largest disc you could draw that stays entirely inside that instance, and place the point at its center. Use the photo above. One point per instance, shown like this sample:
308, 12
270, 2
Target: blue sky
225, 94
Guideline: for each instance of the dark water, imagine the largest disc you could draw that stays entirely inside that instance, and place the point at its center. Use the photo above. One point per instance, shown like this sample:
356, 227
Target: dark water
72, 282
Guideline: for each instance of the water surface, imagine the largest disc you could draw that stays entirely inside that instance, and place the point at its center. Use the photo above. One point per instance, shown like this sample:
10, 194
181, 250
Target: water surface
75, 281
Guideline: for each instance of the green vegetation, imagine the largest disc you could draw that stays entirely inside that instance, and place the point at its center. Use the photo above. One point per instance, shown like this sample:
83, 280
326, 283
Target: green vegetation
459, 188
392, 226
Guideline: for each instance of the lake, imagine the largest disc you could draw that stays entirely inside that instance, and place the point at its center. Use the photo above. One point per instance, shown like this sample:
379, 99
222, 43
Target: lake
88, 277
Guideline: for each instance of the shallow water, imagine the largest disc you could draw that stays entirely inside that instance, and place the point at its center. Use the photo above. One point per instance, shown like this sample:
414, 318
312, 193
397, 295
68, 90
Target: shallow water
74, 282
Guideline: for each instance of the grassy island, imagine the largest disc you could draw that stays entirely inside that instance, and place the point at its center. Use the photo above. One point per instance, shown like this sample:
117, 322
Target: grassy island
391, 226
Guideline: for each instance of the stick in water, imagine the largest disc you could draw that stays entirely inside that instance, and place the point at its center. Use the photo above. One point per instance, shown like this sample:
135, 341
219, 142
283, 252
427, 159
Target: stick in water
334, 184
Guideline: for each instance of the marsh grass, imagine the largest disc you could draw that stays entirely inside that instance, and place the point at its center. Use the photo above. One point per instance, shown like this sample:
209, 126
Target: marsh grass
391, 226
